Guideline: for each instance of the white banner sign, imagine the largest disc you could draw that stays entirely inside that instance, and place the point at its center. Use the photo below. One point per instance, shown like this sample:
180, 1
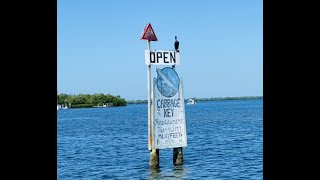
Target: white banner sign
159, 57
169, 124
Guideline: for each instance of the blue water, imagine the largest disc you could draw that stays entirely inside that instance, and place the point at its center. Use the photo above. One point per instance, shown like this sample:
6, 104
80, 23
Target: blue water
224, 142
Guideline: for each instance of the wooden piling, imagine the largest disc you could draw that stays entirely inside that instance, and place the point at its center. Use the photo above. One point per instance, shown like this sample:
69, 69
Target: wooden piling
177, 152
154, 161
177, 156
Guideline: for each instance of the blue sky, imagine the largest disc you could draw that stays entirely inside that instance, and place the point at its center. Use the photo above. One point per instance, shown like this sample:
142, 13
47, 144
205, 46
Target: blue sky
99, 48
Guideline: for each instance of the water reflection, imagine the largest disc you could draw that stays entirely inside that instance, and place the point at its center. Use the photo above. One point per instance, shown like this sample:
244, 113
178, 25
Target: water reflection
154, 173
177, 172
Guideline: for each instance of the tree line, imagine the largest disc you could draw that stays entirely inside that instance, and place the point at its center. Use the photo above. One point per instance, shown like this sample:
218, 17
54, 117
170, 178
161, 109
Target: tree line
88, 100
204, 99
228, 98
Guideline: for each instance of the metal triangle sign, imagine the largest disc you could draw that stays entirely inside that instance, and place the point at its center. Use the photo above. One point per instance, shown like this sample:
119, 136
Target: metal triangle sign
148, 33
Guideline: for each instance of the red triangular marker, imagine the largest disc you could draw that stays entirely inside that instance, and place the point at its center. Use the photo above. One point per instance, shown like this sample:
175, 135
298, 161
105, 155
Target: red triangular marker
148, 33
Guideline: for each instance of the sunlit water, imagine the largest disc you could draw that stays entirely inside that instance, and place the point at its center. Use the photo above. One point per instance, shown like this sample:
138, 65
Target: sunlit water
224, 142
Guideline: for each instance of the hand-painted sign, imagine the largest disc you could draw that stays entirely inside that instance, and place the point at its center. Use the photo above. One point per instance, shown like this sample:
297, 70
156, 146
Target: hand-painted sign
159, 57
169, 125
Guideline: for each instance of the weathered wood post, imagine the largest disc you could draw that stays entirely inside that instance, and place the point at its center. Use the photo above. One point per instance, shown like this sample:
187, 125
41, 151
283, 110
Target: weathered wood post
154, 161
177, 156
177, 152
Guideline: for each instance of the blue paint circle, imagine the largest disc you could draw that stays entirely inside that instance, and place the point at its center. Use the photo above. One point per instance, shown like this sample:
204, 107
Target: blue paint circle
167, 81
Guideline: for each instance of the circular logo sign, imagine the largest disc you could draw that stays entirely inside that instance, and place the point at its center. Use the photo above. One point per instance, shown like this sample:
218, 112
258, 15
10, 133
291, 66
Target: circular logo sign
168, 81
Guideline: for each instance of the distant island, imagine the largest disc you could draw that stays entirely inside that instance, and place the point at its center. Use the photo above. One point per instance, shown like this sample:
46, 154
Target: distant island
204, 99
88, 100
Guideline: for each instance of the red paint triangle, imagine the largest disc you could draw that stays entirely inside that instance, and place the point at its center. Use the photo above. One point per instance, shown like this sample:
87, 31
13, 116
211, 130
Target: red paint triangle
148, 33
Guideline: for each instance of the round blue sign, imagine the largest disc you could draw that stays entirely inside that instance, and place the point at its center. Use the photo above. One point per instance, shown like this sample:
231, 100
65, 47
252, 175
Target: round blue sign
168, 81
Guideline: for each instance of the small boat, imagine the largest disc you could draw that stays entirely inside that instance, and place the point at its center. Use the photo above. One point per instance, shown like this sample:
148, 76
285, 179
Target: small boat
191, 101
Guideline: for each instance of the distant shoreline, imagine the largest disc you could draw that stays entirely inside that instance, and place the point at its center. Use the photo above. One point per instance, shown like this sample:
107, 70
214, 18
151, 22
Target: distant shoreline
204, 99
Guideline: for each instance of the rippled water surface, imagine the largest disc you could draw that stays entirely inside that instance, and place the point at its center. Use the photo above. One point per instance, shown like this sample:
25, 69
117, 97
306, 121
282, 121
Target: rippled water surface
224, 142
